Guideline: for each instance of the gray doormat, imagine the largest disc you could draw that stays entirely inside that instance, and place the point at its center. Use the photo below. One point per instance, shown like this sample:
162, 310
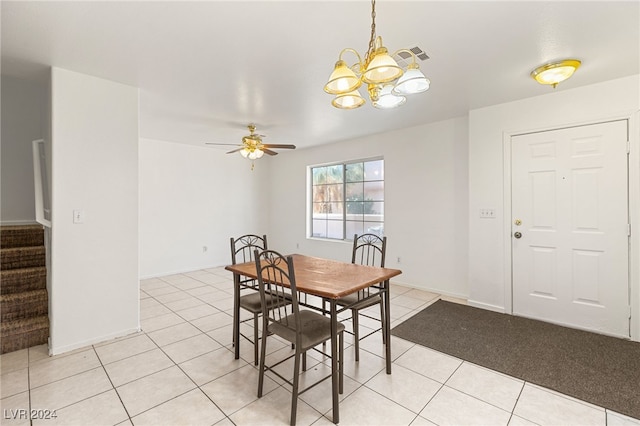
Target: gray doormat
599, 369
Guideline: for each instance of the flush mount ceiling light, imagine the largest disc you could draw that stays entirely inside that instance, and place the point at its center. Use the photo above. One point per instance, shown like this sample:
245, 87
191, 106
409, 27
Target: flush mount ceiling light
555, 72
387, 83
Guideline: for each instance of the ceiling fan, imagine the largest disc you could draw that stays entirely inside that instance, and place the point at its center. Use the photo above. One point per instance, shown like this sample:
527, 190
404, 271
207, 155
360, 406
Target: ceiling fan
252, 146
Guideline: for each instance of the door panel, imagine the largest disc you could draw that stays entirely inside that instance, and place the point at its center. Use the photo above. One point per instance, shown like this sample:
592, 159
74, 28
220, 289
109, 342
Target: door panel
569, 189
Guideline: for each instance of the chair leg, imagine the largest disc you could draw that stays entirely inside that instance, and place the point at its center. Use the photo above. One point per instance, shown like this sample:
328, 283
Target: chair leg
382, 319
294, 391
235, 324
255, 338
341, 361
263, 355
324, 312
304, 361
356, 334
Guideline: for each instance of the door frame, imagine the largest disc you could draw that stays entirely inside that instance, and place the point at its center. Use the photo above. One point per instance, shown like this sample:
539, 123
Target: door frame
633, 120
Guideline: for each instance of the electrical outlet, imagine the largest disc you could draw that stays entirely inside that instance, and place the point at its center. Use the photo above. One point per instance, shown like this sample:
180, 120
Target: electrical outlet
398, 261
204, 249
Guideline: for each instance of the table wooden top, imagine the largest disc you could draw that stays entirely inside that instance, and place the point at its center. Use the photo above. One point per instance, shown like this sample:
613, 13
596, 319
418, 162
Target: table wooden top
326, 278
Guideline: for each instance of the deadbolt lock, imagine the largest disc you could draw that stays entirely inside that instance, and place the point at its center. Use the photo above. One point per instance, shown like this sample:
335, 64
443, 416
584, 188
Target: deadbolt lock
518, 222
517, 234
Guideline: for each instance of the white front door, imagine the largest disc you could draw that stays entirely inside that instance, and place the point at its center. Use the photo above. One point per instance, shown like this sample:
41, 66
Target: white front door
569, 195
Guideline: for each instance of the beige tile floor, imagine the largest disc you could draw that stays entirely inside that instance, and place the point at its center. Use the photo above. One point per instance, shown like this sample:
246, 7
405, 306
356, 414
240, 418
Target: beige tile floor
180, 370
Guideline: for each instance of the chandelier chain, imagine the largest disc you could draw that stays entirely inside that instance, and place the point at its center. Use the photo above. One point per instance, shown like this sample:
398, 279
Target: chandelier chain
373, 33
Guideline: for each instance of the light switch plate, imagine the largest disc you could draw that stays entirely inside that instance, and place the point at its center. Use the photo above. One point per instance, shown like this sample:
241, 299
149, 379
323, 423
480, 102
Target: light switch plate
488, 213
78, 216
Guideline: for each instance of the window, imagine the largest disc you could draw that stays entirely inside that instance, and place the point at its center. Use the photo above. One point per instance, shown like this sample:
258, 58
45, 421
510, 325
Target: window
347, 199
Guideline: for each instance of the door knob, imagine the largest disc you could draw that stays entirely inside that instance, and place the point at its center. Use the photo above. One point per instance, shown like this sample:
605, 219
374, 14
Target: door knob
517, 234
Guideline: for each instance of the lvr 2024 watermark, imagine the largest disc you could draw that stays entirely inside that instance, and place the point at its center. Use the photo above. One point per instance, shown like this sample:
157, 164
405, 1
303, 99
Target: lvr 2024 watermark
24, 414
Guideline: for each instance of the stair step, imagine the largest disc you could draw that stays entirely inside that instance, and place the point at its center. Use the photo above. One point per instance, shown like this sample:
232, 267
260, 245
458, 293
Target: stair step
21, 236
23, 333
22, 257
23, 279
27, 304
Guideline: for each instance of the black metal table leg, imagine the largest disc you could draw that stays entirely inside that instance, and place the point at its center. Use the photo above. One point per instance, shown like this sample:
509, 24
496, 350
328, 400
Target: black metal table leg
334, 361
236, 315
386, 299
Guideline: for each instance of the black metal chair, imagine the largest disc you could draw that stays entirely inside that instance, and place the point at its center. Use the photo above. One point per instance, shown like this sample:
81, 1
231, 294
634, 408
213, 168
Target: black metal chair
370, 250
305, 329
242, 250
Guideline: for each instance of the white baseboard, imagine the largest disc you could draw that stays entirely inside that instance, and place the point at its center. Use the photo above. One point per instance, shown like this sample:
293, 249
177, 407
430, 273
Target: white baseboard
67, 348
431, 290
178, 271
487, 306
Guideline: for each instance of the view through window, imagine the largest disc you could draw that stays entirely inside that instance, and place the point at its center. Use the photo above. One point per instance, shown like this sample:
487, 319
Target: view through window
347, 199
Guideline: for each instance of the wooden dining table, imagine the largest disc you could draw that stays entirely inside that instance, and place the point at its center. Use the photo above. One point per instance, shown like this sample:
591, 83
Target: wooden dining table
330, 280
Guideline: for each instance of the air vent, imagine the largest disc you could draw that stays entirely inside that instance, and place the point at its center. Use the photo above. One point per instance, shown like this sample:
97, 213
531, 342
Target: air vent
404, 58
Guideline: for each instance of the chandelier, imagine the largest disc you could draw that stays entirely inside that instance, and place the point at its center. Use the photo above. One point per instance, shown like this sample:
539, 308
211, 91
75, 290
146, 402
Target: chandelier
387, 83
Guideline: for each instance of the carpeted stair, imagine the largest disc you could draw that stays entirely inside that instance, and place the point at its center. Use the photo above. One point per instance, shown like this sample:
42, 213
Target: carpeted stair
24, 301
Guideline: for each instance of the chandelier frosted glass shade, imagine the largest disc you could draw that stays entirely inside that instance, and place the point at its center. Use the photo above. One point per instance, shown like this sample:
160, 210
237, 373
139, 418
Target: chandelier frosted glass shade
382, 68
411, 82
387, 99
342, 80
555, 72
349, 100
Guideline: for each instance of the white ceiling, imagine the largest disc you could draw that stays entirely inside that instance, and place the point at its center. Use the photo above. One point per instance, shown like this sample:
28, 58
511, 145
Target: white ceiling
205, 69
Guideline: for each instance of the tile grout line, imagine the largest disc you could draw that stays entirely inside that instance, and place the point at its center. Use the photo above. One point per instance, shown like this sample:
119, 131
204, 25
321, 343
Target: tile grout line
187, 375
112, 385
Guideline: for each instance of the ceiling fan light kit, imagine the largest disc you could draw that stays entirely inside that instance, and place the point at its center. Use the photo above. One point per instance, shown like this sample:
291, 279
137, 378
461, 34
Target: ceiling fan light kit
387, 83
252, 147
555, 72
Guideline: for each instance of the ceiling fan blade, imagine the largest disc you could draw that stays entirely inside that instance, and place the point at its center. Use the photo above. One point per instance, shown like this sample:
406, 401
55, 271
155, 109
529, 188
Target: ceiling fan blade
268, 151
214, 143
281, 146
235, 150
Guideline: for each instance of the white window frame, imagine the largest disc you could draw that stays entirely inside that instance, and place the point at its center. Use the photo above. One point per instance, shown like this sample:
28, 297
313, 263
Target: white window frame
344, 220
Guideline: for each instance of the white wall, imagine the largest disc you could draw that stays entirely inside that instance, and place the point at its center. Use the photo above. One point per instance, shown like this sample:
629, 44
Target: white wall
23, 121
487, 242
425, 202
94, 265
193, 197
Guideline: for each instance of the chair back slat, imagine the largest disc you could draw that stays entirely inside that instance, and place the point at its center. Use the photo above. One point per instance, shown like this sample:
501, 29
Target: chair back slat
277, 285
369, 249
243, 248
242, 251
